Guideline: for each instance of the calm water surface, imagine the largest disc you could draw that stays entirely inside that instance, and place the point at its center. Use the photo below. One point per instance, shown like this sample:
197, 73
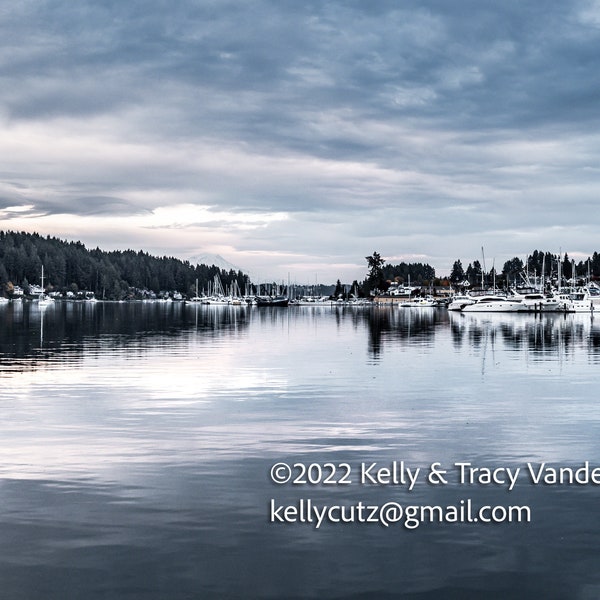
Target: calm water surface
137, 441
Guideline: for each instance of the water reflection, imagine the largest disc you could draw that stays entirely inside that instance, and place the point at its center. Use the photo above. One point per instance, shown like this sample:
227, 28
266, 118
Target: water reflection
402, 326
540, 336
32, 337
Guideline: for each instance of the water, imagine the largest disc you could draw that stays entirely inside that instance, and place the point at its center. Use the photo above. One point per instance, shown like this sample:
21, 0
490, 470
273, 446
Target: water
137, 442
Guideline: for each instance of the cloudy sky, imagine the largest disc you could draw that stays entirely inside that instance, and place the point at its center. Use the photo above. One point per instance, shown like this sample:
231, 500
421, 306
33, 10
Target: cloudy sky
295, 137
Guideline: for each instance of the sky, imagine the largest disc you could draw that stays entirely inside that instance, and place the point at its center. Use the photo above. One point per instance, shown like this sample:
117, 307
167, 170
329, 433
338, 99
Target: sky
296, 137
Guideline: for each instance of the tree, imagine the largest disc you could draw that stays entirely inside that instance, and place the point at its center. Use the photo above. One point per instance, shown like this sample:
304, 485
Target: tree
339, 290
474, 273
567, 270
375, 280
457, 275
375, 263
512, 268
414, 273
595, 265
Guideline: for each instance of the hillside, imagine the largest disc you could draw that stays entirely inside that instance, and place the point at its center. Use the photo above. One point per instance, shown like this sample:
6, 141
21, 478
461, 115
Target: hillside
111, 275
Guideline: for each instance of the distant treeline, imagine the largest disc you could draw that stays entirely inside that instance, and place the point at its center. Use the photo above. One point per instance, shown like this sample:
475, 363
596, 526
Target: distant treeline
70, 266
537, 264
416, 273
380, 274
514, 272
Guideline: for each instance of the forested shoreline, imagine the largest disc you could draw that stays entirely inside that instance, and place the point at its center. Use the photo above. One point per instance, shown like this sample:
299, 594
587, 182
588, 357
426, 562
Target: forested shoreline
121, 274
116, 275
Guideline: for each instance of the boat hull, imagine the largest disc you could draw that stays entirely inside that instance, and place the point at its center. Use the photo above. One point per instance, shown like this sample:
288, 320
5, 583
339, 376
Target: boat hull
278, 301
507, 306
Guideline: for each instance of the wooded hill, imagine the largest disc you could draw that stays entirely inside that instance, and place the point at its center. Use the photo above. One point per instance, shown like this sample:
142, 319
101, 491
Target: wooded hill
111, 275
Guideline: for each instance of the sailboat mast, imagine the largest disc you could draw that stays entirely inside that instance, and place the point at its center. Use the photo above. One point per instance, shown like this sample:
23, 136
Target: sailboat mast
543, 270
483, 269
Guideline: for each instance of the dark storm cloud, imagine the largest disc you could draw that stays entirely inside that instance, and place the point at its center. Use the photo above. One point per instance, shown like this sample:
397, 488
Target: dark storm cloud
263, 71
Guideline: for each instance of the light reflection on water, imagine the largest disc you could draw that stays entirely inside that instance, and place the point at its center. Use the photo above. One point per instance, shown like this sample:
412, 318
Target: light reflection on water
137, 440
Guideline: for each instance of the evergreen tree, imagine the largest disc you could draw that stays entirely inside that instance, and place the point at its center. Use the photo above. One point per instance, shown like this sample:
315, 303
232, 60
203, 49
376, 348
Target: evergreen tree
375, 281
457, 275
339, 290
474, 272
566, 268
512, 269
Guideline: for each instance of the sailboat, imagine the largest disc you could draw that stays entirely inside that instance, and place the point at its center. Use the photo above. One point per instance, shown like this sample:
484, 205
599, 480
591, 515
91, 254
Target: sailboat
196, 298
43, 298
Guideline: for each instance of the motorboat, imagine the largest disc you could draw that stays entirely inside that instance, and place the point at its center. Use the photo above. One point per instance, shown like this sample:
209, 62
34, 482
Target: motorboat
493, 304
426, 302
580, 301
594, 291
459, 301
535, 301
312, 301
574, 300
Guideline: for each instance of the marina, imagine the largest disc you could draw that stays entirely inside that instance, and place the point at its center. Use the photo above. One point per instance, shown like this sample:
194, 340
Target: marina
584, 299
579, 300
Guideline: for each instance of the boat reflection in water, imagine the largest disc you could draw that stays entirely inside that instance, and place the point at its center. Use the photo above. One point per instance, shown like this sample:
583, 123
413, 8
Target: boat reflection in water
542, 334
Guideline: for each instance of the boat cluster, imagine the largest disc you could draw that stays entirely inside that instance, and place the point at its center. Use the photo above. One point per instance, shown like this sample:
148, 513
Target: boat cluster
276, 300
531, 299
220, 300
570, 300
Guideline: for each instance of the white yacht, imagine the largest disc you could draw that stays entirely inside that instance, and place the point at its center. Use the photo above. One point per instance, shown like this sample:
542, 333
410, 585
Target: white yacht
574, 300
217, 300
313, 301
580, 301
594, 291
535, 301
493, 304
426, 302
459, 301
